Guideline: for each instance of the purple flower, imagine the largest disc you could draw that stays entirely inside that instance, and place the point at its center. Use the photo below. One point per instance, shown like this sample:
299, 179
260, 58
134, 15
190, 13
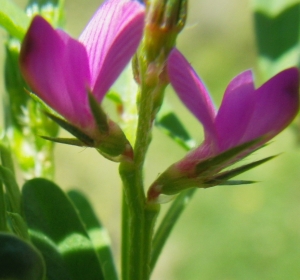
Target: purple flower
62, 70
245, 114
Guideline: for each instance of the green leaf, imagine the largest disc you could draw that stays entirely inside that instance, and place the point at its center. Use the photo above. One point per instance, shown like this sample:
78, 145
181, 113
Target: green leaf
12, 189
273, 7
3, 224
56, 266
49, 212
13, 19
6, 156
23, 114
14, 85
276, 35
114, 97
19, 260
169, 221
97, 233
277, 30
168, 122
18, 225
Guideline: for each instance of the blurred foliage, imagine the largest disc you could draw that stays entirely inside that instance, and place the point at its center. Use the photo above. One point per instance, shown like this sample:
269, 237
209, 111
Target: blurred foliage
226, 233
277, 37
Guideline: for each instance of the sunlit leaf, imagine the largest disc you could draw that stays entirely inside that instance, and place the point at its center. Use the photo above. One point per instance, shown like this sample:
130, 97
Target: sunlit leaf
97, 233
49, 212
55, 263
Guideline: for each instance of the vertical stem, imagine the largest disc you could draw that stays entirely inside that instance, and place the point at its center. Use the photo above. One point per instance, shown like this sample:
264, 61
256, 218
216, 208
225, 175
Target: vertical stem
142, 218
125, 239
135, 203
140, 222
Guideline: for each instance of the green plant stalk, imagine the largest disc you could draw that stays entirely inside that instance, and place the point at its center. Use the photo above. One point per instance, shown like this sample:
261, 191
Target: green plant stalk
132, 177
140, 225
125, 235
168, 222
135, 202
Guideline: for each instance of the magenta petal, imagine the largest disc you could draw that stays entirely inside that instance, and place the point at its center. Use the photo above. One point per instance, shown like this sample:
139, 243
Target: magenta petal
276, 105
40, 63
77, 79
111, 38
50, 62
235, 111
191, 91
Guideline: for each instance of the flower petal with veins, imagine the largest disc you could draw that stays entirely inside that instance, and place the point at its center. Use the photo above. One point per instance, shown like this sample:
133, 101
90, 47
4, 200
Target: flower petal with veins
62, 70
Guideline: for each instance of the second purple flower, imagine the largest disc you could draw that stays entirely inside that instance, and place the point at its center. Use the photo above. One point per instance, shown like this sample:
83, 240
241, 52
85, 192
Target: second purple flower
247, 118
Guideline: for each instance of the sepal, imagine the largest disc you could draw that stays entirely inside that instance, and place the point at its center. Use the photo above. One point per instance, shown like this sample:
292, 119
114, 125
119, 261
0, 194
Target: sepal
223, 177
99, 116
68, 141
223, 159
114, 145
110, 142
85, 139
206, 174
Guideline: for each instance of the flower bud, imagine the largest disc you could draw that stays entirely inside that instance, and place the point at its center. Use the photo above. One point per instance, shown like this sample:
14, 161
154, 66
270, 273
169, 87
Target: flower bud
164, 20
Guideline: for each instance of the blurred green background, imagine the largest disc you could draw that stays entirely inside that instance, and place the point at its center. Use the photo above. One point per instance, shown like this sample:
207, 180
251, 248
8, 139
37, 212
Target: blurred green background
226, 233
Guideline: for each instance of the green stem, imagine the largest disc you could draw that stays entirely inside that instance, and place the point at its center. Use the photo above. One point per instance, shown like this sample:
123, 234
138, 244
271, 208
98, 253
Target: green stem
141, 223
125, 239
168, 223
142, 219
135, 201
